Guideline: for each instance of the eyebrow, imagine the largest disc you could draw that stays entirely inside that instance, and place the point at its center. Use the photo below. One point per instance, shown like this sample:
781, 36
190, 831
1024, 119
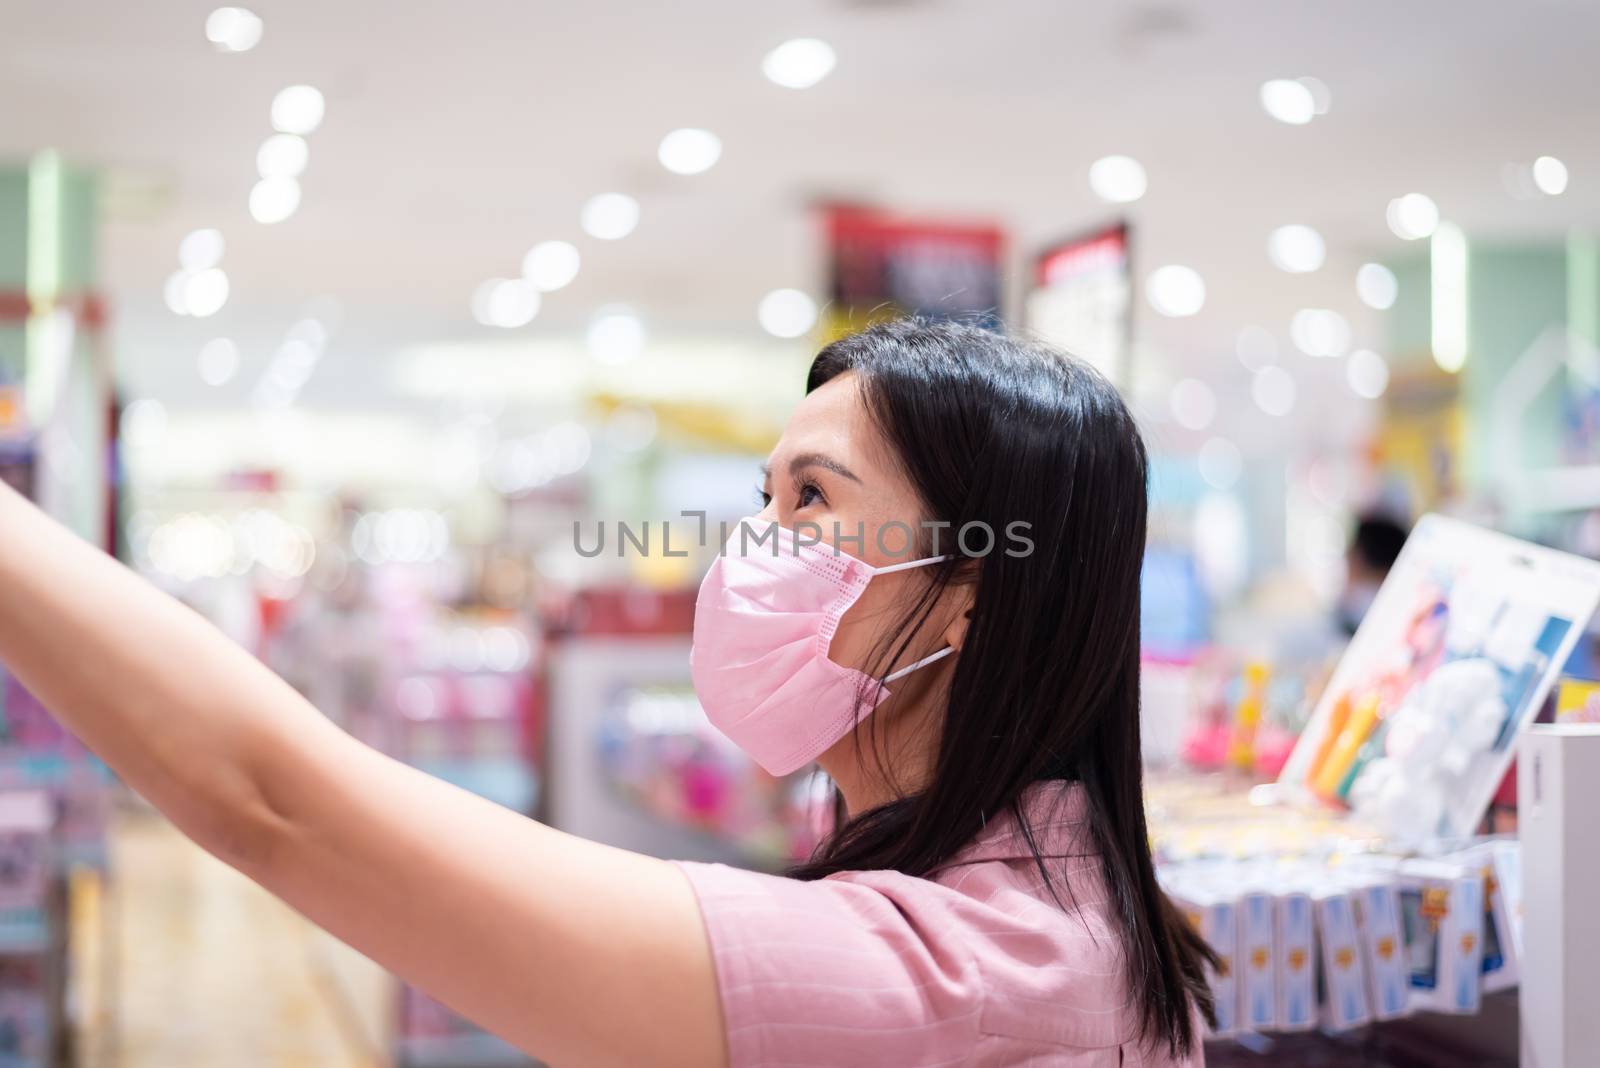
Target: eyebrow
814, 459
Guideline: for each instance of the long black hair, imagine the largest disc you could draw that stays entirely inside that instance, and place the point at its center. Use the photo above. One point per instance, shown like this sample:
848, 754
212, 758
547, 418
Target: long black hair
995, 430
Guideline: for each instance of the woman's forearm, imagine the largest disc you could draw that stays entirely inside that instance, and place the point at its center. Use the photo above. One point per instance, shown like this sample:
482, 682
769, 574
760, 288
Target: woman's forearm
186, 717
579, 952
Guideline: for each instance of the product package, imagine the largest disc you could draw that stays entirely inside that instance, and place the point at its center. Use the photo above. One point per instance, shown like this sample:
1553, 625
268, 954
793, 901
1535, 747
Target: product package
1342, 973
1378, 930
1415, 729
25, 860
1216, 917
1441, 908
1501, 959
1508, 883
1294, 976
1578, 701
1256, 957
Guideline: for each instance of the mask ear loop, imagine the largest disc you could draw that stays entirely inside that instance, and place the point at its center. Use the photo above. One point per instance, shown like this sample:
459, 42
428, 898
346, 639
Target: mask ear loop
909, 564
924, 662
942, 653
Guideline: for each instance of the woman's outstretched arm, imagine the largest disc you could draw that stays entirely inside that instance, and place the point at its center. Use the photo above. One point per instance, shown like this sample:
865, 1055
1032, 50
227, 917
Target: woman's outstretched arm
577, 952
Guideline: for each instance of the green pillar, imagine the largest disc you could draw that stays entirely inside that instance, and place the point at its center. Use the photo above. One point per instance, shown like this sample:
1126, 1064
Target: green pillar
1516, 293
53, 365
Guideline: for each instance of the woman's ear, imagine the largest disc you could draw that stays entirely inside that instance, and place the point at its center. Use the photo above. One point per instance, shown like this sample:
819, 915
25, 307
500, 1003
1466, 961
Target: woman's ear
963, 596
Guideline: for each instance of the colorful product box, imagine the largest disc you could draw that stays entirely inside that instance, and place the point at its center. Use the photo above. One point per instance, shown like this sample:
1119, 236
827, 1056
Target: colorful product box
1342, 971
25, 821
1500, 968
1578, 701
1441, 909
1294, 978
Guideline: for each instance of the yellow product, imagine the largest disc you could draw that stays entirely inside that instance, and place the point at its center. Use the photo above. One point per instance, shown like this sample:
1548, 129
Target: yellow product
1356, 730
1337, 717
1247, 716
1578, 701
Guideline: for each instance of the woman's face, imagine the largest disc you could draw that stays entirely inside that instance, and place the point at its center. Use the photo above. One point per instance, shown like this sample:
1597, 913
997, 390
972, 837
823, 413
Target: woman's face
833, 468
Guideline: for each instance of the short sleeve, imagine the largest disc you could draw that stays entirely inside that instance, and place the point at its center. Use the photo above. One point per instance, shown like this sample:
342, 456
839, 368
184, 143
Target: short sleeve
868, 968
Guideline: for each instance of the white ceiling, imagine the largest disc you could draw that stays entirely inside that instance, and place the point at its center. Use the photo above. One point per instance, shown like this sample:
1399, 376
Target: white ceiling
458, 134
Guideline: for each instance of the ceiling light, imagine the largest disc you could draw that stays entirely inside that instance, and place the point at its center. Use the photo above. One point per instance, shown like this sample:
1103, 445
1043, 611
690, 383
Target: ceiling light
273, 200
282, 156
505, 302
1193, 404
1413, 216
787, 313
1118, 179
219, 361
1296, 249
1550, 175
1377, 286
799, 64
1176, 290
1273, 391
297, 110
1289, 100
1256, 347
176, 292
1319, 332
689, 151
1448, 266
233, 29
616, 335
201, 249
205, 292
1367, 373
550, 265
308, 332
1220, 463
1321, 96
610, 216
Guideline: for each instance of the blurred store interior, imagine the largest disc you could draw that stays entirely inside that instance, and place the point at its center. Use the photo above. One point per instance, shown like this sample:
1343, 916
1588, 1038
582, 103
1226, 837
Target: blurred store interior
337, 320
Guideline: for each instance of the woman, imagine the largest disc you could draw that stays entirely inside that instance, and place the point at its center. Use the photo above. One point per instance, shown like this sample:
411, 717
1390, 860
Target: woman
988, 895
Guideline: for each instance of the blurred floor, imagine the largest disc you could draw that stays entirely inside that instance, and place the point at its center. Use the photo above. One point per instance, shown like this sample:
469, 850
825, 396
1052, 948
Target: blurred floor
211, 970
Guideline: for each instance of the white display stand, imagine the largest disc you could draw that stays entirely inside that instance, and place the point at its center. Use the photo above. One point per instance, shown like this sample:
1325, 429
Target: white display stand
1558, 798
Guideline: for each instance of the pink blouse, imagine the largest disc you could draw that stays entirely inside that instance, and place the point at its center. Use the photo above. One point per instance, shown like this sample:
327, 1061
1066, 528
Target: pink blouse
976, 965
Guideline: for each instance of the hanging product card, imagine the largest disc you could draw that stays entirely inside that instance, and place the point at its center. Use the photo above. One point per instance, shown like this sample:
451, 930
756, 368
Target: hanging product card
884, 266
1082, 300
1416, 728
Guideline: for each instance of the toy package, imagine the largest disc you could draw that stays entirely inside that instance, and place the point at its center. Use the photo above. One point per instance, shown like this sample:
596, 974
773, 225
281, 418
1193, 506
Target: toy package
1295, 980
1441, 909
1216, 916
1416, 728
1377, 916
1578, 701
1341, 972
1257, 957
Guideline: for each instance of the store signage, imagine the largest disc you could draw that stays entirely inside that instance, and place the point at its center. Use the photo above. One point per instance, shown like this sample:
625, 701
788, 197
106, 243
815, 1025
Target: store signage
1082, 299
883, 266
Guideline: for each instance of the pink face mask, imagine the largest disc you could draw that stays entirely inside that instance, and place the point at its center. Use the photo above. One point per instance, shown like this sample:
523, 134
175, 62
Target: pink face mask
762, 627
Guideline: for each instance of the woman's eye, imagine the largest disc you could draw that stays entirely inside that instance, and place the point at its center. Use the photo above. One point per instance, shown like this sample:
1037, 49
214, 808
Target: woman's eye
810, 493
763, 498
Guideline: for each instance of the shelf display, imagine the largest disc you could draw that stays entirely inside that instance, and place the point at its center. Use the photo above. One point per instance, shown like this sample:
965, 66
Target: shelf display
1415, 730
659, 750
